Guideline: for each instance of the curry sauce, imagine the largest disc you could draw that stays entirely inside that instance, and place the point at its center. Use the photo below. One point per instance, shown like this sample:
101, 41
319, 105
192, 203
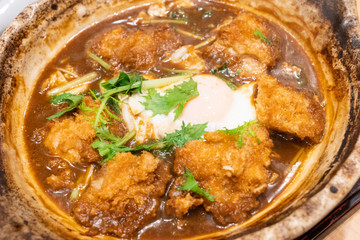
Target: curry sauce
137, 194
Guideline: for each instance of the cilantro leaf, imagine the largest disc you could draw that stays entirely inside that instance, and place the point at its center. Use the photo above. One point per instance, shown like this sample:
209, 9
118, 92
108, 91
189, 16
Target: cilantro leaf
187, 133
104, 116
74, 101
260, 35
173, 98
109, 150
131, 83
94, 94
178, 138
192, 185
113, 105
125, 79
103, 132
241, 130
105, 149
114, 145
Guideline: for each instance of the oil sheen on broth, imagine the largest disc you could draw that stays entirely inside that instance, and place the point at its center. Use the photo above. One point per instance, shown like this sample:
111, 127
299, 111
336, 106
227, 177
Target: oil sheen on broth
140, 193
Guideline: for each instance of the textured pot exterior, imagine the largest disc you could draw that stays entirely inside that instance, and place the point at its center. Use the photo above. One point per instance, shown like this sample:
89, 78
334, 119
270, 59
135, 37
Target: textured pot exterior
328, 29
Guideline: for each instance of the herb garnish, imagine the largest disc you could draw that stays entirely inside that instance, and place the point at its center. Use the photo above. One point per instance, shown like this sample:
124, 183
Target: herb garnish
113, 144
125, 79
187, 133
108, 144
74, 83
224, 74
241, 130
173, 98
99, 60
104, 117
260, 35
74, 101
192, 185
124, 83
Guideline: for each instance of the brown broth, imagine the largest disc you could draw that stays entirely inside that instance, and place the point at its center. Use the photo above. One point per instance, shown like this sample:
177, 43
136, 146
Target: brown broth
162, 226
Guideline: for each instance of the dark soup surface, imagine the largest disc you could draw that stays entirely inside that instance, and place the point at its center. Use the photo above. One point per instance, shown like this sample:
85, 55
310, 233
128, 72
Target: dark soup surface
167, 122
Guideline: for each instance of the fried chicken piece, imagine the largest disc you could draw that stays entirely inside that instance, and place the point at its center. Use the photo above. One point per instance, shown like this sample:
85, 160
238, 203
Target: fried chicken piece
62, 176
286, 110
234, 175
180, 202
140, 50
60, 181
71, 138
124, 194
237, 45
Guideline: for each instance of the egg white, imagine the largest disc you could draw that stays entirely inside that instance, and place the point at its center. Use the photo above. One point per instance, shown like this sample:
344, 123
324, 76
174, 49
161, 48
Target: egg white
217, 104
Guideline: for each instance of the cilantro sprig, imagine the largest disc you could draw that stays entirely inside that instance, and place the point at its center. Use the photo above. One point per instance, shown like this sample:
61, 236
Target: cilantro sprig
241, 130
124, 83
108, 144
74, 101
187, 133
174, 98
260, 35
125, 79
113, 145
192, 185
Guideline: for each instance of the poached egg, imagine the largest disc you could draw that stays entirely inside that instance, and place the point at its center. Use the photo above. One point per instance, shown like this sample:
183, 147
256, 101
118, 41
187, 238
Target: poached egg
217, 105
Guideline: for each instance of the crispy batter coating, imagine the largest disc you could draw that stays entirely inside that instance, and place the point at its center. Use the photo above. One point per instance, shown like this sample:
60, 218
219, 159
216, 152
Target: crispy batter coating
62, 176
237, 45
124, 194
140, 50
180, 202
235, 175
286, 110
71, 138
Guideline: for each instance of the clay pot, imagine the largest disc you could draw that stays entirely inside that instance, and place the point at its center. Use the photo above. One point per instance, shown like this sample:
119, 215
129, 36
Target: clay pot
327, 30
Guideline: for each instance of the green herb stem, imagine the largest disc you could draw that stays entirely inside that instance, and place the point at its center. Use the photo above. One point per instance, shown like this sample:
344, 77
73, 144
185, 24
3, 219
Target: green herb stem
189, 34
128, 136
67, 71
260, 35
204, 43
156, 83
82, 183
180, 71
75, 83
99, 60
101, 108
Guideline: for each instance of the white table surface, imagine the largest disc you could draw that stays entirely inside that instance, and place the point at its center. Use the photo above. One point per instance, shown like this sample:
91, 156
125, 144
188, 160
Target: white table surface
9, 9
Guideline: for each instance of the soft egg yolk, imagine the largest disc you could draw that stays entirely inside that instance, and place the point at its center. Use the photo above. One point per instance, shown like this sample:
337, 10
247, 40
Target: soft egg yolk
213, 103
